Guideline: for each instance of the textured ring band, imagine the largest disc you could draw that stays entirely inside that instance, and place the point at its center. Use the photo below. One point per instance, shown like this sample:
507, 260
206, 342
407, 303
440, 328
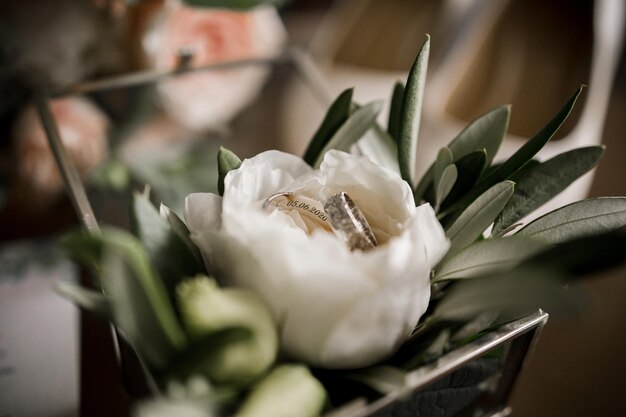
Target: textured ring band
339, 214
348, 221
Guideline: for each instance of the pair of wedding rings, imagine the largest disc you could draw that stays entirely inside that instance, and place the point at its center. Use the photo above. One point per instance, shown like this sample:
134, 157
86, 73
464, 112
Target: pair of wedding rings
339, 214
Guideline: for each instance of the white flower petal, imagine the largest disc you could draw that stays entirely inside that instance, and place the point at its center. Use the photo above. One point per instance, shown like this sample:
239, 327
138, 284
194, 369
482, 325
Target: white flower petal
262, 176
203, 216
434, 236
381, 194
203, 211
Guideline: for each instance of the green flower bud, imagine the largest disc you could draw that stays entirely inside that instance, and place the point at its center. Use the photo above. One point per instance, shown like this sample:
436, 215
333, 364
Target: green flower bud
235, 326
288, 391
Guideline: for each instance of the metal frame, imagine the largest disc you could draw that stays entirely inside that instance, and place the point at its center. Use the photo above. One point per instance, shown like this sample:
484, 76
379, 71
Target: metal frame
522, 333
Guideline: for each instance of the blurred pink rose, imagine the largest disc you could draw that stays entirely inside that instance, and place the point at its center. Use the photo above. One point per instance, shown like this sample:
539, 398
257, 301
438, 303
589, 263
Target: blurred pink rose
208, 99
83, 130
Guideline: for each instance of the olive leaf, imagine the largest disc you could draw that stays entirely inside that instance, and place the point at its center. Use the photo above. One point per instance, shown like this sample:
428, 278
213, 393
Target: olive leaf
515, 293
540, 183
384, 379
395, 111
478, 216
445, 184
336, 116
486, 257
378, 146
172, 254
90, 300
584, 255
582, 218
139, 302
486, 132
469, 170
444, 159
411, 115
479, 323
140, 307
226, 161
445, 175
359, 122
180, 229
520, 158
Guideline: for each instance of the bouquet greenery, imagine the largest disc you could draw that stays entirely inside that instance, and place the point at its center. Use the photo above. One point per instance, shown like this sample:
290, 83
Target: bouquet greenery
308, 275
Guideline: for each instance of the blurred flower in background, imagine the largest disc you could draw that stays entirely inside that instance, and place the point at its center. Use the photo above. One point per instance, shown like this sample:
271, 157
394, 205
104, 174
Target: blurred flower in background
83, 130
204, 100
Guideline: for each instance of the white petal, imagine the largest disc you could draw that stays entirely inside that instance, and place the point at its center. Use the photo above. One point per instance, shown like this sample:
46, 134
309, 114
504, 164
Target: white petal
203, 211
437, 244
385, 199
260, 177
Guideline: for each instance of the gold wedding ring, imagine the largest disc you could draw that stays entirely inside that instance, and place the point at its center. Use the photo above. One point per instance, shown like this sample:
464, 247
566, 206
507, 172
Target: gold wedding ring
309, 208
339, 214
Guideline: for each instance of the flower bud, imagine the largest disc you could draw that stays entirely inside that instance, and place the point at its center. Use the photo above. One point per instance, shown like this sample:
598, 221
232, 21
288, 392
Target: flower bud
290, 390
208, 310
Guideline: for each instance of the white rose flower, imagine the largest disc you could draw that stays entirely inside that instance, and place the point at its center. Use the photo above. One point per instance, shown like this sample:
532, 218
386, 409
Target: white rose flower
335, 308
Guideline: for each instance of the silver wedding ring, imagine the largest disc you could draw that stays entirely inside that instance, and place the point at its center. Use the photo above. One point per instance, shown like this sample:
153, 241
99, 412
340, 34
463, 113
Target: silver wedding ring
339, 214
348, 221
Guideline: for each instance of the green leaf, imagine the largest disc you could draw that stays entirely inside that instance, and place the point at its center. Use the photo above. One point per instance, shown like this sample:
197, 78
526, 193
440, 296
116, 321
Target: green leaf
171, 256
486, 132
141, 310
411, 115
534, 145
469, 170
233, 4
438, 346
445, 175
583, 218
444, 159
516, 293
226, 161
336, 116
352, 130
395, 111
478, 216
486, 257
540, 183
521, 157
522, 172
584, 255
445, 184
383, 379
179, 228
476, 325
85, 298
84, 249
139, 302
380, 148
